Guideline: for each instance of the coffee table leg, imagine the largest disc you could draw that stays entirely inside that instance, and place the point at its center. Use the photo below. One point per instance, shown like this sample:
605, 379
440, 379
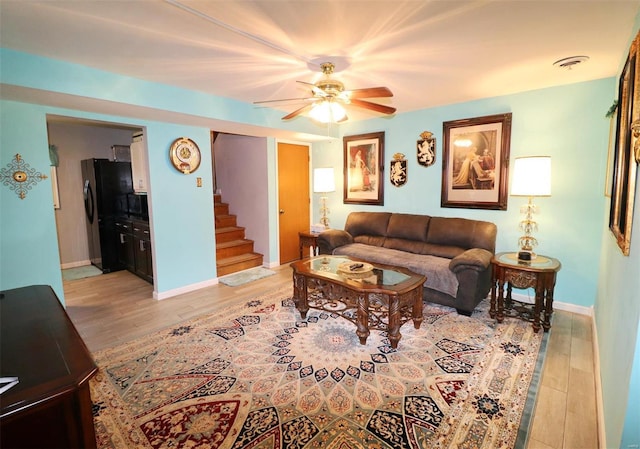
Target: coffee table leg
300, 295
417, 308
362, 317
394, 321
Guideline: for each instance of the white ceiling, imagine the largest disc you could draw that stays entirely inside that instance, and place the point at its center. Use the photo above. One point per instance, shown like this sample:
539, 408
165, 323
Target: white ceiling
428, 53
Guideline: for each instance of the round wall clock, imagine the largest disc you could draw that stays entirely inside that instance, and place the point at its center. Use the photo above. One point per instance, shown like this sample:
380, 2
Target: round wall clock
184, 155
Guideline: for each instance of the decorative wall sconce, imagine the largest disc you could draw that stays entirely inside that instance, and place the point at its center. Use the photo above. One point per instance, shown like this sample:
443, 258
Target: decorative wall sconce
398, 172
20, 177
426, 147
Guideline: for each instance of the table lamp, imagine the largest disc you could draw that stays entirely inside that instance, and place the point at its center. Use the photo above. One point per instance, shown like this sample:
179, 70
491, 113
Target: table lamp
324, 182
531, 177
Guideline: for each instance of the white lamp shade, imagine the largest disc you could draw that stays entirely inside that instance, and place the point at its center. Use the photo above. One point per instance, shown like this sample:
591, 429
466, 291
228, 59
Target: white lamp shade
327, 112
531, 176
323, 180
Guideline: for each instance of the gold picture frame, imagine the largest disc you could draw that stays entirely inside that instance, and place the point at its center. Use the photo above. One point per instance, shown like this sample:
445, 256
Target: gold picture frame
624, 164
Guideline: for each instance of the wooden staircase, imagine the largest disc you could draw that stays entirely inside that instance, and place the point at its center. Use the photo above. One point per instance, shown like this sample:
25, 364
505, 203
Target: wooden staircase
233, 252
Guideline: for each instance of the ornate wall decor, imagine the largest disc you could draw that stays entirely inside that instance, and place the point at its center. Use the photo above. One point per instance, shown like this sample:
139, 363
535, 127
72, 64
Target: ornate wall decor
426, 147
398, 170
20, 177
184, 155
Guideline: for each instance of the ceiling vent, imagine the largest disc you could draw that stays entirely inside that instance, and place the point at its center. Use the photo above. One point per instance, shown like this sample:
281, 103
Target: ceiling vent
570, 62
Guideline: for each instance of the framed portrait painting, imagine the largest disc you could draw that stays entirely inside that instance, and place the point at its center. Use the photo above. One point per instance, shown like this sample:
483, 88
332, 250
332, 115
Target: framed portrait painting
475, 165
363, 167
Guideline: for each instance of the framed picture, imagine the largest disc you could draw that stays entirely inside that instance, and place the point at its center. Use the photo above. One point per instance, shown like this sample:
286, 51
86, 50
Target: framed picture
475, 165
624, 164
363, 168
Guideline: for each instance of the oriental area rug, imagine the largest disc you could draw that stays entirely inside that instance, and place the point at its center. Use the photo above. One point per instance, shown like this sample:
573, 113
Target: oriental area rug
260, 377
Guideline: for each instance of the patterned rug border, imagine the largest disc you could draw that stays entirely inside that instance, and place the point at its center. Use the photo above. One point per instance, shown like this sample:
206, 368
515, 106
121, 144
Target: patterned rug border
259, 304
532, 394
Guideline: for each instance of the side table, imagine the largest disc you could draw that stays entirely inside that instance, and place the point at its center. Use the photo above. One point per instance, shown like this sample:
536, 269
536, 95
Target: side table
539, 274
308, 240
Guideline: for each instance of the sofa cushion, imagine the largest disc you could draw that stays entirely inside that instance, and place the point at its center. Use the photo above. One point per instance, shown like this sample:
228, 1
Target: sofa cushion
408, 227
436, 269
367, 223
373, 240
462, 233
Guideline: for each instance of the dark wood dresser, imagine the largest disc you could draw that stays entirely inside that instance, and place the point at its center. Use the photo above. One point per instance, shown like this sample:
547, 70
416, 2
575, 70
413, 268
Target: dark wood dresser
50, 406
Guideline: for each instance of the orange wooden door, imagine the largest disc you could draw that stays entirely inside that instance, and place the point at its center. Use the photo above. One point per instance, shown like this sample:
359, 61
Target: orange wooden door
293, 197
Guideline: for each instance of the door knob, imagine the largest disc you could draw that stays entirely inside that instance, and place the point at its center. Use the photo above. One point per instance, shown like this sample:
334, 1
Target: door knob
281, 211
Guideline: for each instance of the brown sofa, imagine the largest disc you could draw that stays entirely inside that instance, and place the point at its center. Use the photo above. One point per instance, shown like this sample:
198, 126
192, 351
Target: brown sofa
453, 253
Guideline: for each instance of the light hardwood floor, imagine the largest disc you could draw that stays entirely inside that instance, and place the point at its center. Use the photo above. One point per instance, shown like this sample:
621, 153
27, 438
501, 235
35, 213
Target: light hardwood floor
114, 308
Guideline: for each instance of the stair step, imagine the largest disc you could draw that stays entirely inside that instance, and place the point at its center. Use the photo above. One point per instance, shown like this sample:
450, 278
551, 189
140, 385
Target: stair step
225, 221
233, 248
217, 198
220, 209
238, 263
229, 234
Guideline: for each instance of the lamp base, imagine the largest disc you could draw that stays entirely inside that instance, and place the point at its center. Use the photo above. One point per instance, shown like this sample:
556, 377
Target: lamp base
525, 256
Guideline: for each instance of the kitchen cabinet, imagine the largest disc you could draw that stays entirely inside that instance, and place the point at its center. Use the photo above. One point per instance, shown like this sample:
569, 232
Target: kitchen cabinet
143, 258
124, 238
134, 247
139, 164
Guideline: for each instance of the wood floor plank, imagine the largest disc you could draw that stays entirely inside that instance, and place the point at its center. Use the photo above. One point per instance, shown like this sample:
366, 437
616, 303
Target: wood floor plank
549, 417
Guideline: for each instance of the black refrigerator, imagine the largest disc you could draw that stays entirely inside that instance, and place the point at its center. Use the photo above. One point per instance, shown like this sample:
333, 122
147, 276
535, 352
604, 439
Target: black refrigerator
106, 185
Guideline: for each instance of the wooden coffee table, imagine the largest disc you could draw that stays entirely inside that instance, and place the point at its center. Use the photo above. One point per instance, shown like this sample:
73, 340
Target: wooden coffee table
382, 298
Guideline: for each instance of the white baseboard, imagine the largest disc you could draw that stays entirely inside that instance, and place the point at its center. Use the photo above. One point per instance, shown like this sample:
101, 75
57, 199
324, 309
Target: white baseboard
185, 289
79, 263
557, 305
271, 264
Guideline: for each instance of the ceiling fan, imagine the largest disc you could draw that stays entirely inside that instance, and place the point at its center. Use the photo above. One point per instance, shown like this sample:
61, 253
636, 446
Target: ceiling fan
329, 96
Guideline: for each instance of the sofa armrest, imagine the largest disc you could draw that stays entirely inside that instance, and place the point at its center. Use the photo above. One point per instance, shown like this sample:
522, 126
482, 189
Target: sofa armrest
477, 259
331, 239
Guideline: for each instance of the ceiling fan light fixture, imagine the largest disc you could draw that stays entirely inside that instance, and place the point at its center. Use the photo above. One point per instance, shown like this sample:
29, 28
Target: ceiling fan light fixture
327, 112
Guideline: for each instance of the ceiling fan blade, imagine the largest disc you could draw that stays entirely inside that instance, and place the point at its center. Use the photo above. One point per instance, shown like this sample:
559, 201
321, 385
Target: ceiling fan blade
370, 92
373, 106
297, 112
315, 89
284, 99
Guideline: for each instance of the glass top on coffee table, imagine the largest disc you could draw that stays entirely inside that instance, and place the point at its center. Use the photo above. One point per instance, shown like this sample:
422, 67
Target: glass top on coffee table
346, 269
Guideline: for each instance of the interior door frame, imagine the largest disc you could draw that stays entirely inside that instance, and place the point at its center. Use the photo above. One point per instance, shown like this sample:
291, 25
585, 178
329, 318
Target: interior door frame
310, 154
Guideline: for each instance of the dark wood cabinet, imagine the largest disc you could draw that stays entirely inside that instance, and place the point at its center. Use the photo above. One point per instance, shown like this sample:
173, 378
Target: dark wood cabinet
124, 238
134, 247
50, 406
142, 250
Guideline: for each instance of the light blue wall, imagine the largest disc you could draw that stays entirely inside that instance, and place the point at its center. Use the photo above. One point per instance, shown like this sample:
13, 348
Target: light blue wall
181, 212
617, 313
28, 240
631, 430
567, 123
